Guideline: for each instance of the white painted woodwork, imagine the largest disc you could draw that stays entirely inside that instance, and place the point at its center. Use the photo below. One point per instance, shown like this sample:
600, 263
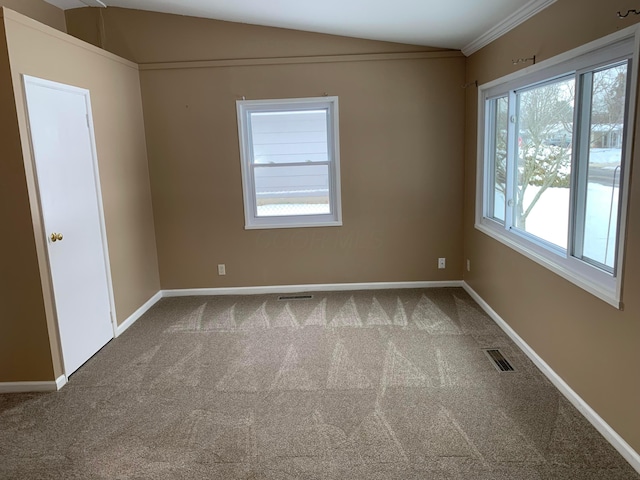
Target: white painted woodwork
459, 24
66, 170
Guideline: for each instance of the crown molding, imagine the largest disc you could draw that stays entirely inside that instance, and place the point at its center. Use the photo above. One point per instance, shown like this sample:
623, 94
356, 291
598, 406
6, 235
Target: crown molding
512, 21
70, 4
94, 3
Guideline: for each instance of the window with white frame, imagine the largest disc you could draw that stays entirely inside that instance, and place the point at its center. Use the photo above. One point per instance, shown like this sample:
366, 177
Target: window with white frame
289, 153
554, 155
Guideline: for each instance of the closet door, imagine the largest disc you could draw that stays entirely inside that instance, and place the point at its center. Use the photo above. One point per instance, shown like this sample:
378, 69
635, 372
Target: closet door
66, 169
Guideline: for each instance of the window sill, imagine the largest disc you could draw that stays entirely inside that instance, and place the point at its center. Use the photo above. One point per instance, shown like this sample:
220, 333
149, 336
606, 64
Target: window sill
581, 274
274, 225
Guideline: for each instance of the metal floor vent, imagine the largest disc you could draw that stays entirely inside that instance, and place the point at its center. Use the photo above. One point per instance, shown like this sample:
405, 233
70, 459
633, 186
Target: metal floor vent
498, 360
295, 297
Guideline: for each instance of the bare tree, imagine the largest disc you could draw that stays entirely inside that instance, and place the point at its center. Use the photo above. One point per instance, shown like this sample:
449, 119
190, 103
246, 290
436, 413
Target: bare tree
545, 125
545, 117
608, 102
545, 130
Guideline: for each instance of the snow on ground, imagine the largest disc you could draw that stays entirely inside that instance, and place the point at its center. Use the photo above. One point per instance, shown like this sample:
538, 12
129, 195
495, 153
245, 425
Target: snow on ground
601, 223
275, 210
605, 155
549, 219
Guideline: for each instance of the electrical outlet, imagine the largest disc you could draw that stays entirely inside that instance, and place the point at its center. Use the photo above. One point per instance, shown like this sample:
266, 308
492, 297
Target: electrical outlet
222, 269
442, 263
468, 265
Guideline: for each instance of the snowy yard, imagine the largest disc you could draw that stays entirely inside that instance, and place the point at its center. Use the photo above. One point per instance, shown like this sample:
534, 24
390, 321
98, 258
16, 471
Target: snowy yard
549, 218
283, 209
609, 156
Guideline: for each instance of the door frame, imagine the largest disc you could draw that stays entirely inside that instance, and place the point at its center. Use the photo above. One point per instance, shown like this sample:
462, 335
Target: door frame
26, 80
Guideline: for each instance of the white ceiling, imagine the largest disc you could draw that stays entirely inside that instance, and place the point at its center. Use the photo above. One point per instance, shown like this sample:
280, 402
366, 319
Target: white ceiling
460, 24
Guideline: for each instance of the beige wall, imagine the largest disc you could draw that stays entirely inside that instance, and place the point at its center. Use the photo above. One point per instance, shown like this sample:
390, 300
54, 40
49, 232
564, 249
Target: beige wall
38, 10
148, 37
591, 345
117, 113
24, 341
401, 124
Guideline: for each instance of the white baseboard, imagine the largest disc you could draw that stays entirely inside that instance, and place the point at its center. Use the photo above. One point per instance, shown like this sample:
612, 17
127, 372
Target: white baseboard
25, 387
137, 314
52, 386
61, 381
31, 387
583, 407
316, 287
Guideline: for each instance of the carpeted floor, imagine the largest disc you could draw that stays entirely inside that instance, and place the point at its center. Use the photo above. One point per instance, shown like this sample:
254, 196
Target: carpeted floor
375, 385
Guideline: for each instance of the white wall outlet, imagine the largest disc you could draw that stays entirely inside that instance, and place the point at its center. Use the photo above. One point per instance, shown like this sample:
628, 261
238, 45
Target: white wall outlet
468, 265
222, 269
442, 263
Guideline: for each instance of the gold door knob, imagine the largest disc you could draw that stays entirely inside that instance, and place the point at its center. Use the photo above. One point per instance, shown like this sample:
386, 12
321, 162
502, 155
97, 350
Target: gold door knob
55, 237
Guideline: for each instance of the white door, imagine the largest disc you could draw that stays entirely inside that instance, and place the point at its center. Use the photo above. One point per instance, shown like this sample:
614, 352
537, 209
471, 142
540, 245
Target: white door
66, 170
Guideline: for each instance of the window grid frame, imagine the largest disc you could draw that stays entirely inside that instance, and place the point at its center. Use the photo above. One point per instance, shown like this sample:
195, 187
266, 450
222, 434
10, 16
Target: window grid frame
616, 48
248, 165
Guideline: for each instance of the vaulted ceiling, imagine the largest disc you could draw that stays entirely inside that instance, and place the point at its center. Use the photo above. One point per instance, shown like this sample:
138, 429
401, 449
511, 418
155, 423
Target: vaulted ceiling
459, 24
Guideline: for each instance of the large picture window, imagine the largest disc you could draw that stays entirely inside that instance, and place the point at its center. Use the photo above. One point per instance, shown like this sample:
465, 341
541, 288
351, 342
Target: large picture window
553, 161
290, 162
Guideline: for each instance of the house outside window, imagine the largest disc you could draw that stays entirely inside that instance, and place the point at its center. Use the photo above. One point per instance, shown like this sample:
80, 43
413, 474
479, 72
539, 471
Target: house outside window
290, 162
554, 157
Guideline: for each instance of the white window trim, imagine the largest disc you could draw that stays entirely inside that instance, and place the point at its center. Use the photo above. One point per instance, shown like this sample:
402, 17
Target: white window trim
252, 221
595, 281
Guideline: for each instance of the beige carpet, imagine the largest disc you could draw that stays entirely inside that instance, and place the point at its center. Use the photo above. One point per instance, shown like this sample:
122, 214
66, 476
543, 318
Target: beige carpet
375, 385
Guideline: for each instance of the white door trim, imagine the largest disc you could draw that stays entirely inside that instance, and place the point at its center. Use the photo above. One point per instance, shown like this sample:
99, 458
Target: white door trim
28, 79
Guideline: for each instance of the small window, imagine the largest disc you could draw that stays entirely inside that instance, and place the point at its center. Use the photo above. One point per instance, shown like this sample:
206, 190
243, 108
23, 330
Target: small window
289, 154
554, 160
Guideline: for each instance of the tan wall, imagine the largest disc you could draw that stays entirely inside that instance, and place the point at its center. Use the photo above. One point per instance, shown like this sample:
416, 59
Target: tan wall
117, 110
147, 37
401, 125
192, 142
24, 341
38, 10
591, 345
